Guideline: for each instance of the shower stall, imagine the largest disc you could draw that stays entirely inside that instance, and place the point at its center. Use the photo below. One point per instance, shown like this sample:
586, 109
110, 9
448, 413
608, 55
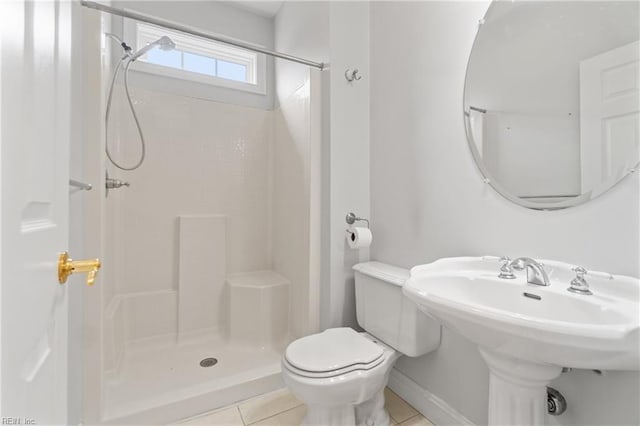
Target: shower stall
210, 252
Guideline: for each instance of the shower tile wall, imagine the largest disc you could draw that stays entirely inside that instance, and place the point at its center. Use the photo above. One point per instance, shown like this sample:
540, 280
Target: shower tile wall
203, 158
248, 167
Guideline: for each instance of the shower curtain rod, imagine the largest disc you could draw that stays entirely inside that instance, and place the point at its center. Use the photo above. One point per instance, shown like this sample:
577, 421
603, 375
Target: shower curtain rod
175, 26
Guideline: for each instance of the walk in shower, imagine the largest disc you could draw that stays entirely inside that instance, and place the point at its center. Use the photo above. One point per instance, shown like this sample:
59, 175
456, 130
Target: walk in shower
210, 253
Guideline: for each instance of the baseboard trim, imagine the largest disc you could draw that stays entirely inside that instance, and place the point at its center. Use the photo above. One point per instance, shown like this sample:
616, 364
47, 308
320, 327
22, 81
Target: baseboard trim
428, 404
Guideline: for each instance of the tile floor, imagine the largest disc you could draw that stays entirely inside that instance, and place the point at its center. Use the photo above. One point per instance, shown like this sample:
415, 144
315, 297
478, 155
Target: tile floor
280, 408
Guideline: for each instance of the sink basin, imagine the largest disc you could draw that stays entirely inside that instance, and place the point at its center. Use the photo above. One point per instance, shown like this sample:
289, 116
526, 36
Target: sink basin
527, 333
549, 325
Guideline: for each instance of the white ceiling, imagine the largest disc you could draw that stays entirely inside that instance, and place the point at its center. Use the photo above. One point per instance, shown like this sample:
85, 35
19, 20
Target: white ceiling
268, 8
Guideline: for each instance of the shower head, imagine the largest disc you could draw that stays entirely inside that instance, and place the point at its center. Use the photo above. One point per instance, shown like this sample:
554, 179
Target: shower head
164, 43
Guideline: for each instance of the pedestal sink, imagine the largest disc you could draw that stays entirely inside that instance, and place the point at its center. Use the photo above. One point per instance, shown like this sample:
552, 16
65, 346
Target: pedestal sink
526, 333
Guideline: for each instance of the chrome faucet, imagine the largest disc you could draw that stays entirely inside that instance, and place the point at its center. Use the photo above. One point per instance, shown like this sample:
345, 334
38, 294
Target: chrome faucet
535, 271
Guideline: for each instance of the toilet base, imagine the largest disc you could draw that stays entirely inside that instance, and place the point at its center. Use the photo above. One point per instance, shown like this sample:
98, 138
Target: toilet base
372, 412
342, 415
368, 413
355, 398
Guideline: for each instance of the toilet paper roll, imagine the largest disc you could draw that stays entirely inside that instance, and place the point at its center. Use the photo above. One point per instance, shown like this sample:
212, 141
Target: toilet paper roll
358, 237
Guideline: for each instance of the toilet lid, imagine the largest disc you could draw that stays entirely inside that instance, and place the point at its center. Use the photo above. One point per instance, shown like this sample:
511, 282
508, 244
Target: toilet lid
334, 373
333, 349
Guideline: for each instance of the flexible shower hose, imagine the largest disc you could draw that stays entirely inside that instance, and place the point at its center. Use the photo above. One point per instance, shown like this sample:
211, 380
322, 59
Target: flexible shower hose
143, 150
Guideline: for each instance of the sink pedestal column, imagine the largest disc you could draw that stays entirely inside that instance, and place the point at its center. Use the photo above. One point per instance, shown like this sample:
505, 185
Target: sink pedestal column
517, 389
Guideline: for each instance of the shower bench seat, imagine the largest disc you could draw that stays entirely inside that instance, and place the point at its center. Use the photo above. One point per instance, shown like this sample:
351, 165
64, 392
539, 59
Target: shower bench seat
258, 309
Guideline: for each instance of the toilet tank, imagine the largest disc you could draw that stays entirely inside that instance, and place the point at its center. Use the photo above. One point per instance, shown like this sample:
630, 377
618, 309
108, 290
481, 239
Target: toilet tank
386, 313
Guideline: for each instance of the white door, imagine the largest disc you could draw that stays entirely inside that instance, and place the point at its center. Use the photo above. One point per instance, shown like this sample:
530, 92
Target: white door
609, 115
34, 138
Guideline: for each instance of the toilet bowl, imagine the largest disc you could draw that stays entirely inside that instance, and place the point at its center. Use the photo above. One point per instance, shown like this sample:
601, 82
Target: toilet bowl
341, 374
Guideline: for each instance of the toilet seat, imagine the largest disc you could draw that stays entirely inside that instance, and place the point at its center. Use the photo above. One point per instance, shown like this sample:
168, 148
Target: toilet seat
332, 353
334, 373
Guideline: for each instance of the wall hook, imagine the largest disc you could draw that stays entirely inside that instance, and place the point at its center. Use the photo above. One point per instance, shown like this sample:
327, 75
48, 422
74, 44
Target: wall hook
352, 74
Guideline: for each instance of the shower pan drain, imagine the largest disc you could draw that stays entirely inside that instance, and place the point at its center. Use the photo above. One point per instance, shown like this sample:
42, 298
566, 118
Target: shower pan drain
208, 362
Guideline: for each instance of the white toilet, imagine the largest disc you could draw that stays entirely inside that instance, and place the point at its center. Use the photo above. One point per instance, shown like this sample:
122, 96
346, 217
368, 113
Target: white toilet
341, 374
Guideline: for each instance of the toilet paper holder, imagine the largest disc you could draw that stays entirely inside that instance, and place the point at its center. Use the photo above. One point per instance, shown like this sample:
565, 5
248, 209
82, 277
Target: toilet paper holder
352, 218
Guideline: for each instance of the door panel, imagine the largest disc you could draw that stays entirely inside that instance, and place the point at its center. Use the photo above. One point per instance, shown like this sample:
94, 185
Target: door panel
34, 135
609, 115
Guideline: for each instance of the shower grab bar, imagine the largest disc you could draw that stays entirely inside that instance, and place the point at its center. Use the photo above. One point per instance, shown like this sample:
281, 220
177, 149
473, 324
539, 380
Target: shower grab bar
80, 185
196, 32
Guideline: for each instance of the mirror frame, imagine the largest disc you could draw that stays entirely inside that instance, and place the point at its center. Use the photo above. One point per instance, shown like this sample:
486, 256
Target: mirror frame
486, 176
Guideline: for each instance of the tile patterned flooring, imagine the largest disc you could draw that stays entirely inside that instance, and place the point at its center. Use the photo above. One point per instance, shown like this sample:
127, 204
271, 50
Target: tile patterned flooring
280, 408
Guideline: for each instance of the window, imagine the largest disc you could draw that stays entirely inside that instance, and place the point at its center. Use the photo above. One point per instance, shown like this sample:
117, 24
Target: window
200, 60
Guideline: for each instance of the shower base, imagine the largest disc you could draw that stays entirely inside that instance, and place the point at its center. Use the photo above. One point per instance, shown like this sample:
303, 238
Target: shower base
161, 381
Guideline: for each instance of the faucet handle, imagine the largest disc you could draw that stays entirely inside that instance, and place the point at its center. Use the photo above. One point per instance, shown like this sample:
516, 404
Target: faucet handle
111, 183
579, 284
580, 272
506, 271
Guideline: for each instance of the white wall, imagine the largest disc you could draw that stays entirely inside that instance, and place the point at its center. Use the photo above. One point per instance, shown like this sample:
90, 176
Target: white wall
349, 153
428, 201
337, 33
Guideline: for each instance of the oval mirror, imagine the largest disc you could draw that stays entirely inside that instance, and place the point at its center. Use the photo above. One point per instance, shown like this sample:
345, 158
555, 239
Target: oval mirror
551, 99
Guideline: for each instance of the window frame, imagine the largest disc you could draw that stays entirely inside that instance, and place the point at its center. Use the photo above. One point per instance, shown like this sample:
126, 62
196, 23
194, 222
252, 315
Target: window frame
142, 33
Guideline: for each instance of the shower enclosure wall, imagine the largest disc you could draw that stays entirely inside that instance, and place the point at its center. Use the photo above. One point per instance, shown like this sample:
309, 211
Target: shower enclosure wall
211, 252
